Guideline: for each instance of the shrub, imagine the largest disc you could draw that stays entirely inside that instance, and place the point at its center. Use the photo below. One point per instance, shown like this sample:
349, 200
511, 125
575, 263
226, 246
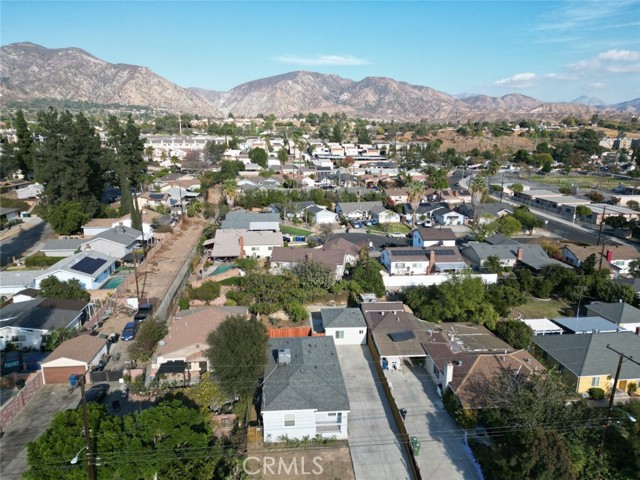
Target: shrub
296, 311
41, 261
207, 291
464, 418
596, 393
183, 303
632, 387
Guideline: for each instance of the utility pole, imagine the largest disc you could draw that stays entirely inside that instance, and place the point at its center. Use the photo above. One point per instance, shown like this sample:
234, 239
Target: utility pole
91, 474
601, 224
602, 254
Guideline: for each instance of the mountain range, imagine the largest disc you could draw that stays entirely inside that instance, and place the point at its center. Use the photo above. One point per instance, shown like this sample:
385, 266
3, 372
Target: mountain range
30, 72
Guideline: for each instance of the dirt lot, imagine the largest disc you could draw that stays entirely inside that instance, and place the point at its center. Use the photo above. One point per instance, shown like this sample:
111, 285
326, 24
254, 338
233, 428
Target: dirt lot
279, 462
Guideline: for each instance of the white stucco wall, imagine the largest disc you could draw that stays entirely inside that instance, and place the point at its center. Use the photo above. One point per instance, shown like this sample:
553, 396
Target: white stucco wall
112, 249
403, 281
260, 251
352, 335
307, 423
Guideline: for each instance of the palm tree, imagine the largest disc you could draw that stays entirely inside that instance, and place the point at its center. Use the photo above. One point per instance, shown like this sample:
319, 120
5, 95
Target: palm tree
414, 195
230, 190
477, 187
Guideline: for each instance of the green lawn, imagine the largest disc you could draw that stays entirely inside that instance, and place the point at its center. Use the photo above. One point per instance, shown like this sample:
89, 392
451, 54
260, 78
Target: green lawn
389, 227
582, 181
299, 232
537, 308
231, 281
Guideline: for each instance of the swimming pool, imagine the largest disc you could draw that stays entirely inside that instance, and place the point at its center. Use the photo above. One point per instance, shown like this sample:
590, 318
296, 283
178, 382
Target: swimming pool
222, 269
113, 282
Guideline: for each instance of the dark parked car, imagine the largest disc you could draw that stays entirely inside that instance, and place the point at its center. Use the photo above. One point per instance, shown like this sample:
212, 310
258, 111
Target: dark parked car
129, 331
97, 393
143, 312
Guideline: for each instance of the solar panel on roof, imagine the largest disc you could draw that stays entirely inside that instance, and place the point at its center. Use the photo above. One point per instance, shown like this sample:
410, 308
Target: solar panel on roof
408, 253
445, 252
402, 336
88, 265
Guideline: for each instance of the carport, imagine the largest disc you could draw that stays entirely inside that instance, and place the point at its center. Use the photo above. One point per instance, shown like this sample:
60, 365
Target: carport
75, 356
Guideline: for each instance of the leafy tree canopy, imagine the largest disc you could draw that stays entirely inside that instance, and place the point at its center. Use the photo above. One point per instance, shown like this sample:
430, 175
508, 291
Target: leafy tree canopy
70, 289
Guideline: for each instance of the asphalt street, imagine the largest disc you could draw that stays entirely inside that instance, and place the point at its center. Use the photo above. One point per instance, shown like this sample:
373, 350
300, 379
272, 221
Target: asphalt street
23, 242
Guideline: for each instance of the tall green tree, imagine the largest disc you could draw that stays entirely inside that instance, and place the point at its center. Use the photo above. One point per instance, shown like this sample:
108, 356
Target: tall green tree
238, 355
70, 289
19, 156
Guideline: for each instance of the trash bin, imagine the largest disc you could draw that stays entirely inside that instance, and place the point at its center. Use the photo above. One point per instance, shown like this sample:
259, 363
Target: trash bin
415, 445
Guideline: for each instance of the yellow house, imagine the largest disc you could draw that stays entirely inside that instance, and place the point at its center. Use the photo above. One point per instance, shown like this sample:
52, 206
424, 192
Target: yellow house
585, 360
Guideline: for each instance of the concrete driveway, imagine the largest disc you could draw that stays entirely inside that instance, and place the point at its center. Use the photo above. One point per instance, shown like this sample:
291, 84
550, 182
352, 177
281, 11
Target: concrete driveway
30, 424
442, 453
373, 437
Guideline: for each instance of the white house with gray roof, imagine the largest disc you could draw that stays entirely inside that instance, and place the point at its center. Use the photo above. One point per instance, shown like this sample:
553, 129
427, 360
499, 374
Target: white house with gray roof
509, 255
345, 325
62, 247
116, 242
356, 210
241, 219
90, 268
303, 391
622, 314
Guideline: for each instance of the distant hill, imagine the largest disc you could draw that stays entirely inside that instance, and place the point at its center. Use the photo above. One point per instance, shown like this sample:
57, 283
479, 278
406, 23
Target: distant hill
31, 73
591, 101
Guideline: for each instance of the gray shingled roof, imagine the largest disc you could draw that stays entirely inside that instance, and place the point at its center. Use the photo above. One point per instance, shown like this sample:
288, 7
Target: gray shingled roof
120, 234
587, 354
619, 313
312, 381
63, 244
42, 313
586, 324
242, 219
342, 318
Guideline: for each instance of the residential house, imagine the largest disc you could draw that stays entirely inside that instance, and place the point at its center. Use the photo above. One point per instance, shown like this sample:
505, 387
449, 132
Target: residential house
303, 391
469, 359
355, 210
25, 295
591, 359
116, 242
154, 200
292, 211
99, 225
616, 258
62, 247
422, 261
396, 333
397, 196
30, 191
444, 216
454, 197
182, 354
510, 255
259, 183
241, 219
286, 258
13, 281
25, 323
76, 356
634, 283
8, 214
352, 250
382, 215
620, 313
90, 268
542, 326
239, 243
430, 237
321, 216
345, 325
580, 325
487, 212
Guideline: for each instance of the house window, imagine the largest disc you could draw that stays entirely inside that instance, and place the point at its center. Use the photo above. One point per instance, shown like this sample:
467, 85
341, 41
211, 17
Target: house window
289, 419
399, 265
339, 333
255, 249
595, 381
359, 332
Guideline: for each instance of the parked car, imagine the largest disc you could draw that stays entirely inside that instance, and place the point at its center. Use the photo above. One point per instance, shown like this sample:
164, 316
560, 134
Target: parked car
129, 331
97, 393
396, 235
143, 312
428, 223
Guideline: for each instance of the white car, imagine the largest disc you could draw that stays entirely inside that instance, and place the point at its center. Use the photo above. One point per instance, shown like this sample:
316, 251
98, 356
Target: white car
428, 223
397, 235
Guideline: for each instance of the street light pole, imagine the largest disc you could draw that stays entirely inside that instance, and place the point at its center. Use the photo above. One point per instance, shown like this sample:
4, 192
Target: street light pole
91, 474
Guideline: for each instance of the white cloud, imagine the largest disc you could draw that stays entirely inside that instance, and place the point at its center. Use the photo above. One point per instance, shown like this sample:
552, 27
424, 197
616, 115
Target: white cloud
611, 61
527, 79
581, 14
320, 60
596, 86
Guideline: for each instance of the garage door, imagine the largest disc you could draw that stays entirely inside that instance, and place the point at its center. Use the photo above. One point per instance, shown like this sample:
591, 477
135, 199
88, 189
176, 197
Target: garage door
60, 374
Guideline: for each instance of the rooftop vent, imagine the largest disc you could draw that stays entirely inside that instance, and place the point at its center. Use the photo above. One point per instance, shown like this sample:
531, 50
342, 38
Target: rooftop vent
284, 356
458, 363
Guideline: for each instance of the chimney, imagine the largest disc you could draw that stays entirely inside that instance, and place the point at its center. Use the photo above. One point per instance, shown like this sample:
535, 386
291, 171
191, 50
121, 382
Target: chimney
241, 242
448, 374
520, 254
609, 255
432, 262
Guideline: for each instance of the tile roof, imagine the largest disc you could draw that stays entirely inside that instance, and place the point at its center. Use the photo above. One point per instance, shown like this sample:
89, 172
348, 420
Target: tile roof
82, 348
312, 381
587, 354
189, 329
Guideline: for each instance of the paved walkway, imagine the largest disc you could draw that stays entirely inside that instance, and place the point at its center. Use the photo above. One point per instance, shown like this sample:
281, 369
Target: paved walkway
442, 454
373, 436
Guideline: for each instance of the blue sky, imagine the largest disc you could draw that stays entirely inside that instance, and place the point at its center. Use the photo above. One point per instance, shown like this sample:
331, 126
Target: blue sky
553, 51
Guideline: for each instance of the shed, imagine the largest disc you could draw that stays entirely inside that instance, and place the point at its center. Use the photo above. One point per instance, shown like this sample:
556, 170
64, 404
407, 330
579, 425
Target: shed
74, 356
